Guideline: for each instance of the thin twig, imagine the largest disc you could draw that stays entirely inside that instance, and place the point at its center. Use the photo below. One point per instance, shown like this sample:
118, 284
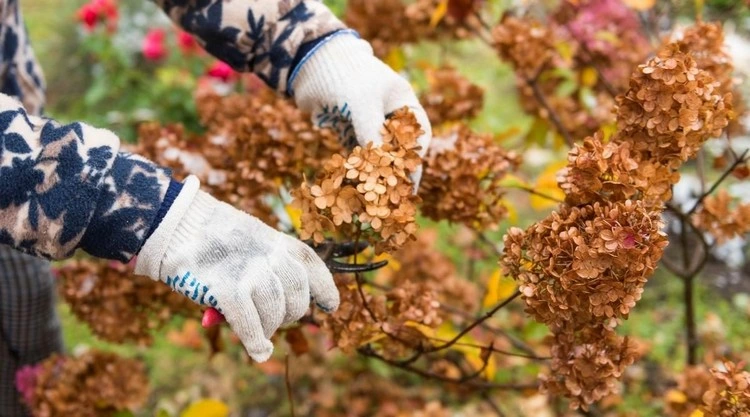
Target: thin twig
540, 194
477, 322
539, 96
740, 160
288, 385
370, 353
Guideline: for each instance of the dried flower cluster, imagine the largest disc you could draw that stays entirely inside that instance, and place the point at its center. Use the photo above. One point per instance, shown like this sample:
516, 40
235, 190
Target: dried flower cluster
462, 179
420, 262
730, 392
584, 267
96, 384
390, 319
451, 97
550, 84
386, 24
719, 392
722, 218
528, 45
253, 145
687, 397
588, 364
370, 186
671, 109
117, 305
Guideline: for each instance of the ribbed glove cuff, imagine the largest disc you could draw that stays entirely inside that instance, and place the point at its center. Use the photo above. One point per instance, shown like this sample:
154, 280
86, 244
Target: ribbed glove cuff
152, 253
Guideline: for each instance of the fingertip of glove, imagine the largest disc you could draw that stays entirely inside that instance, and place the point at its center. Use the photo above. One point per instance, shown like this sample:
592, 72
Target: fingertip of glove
263, 354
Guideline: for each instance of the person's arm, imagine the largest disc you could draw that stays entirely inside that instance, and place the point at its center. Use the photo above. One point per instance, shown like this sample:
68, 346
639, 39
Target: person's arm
64, 187
267, 37
299, 48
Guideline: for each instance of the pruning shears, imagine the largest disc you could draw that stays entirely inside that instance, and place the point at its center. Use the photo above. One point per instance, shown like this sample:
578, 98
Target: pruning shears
328, 251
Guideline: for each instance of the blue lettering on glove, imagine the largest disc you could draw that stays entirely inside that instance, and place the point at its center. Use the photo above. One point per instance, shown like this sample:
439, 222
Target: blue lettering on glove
192, 288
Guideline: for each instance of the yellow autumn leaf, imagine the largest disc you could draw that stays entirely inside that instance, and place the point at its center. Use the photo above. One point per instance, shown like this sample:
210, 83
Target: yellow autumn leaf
439, 13
206, 408
676, 397
546, 184
696, 413
513, 181
295, 216
396, 59
589, 77
499, 288
640, 5
512, 212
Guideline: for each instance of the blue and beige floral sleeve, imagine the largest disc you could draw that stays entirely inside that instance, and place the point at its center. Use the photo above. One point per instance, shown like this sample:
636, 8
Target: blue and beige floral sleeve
261, 36
64, 187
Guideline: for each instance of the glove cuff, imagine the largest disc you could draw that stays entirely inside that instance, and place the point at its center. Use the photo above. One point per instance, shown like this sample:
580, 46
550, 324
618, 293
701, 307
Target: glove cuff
323, 68
152, 253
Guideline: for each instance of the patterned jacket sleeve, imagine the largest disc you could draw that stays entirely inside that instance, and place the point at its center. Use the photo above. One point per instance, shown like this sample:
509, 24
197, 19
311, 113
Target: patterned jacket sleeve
262, 36
64, 187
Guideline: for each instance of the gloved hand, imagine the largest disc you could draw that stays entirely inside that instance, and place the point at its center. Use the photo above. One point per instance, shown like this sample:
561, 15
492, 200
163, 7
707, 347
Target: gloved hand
346, 88
218, 256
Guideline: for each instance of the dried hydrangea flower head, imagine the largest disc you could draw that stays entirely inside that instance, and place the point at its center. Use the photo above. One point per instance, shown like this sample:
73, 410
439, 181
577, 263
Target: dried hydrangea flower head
462, 179
730, 392
723, 217
388, 318
420, 262
531, 47
382, 22
369, 187
253, 145
95, 384
585, 264
451, 97
672, 108
117, 305
587, 365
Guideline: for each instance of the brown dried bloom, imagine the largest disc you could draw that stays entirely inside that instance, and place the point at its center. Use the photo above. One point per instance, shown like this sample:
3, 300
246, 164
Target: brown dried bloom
390, 320
382, 22
462, 179
96, 384
370, 186
672, 107
586, 264
531, 48
527, 44
612, 171
117, 305
254, 144
722, 217
705, 42
420, 262
687, 397
730, 392
459, 21
587, 364
451, 97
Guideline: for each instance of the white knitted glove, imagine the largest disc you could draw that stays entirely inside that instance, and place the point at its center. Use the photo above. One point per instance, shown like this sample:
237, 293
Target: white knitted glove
221, 257
346, 88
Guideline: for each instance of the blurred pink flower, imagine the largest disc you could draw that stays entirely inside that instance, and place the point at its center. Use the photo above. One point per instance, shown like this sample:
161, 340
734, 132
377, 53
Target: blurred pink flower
221, 71
153, 47
26, 381
187, 43
95, 11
